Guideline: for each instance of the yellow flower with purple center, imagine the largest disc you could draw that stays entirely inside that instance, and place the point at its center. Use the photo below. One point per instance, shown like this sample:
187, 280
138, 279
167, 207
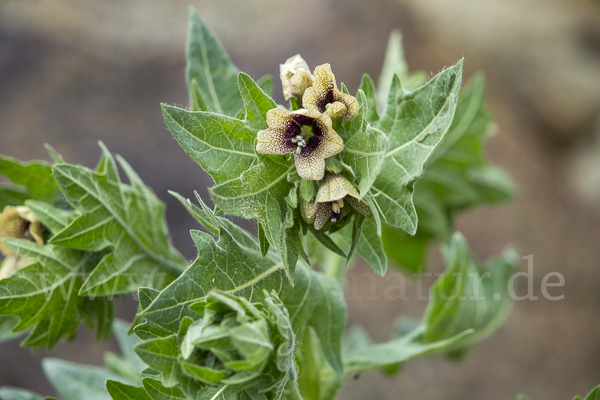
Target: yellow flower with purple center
330, 203
307, 134
325, 97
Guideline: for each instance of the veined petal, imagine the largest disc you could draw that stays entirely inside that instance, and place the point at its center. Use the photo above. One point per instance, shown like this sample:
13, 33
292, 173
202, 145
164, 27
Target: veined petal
278, 118
324, 92
350, 102
323, 215
331, 144
295, 77
310, 166
273, 141
335, 187
359, 205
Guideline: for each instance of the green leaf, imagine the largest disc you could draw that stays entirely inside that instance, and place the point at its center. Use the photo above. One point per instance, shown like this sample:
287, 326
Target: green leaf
318, 301
127, 218
393, 64
121, 391
266, 84
49, 287
161, 353
256, 102
233, 264
395, 351
593, 395
415, 122
197, 102
198, 213
370, 247
158, 392
129, 365
223, 146
368, 88
9, 393
260, 193
457, 177
457, 173
405, 250
77, 381
365, 147
468, 303
7, 324
55, 219
36, 176
468, 296
211, 68
316, 378
11, 195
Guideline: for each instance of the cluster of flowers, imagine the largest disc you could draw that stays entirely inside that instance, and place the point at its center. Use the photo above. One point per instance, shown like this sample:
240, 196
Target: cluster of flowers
308, 133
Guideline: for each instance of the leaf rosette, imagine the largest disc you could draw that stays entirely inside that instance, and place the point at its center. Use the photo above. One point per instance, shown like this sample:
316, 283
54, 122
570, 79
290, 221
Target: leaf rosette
237, 347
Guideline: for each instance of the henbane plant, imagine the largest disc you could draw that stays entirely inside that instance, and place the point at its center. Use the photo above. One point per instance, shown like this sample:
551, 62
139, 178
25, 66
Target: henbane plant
329, 177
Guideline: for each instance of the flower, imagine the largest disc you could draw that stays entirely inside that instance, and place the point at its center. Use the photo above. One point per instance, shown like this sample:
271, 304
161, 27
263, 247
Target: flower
306, 133
295, 77
325, 97
18, 223
239, 344
329, 202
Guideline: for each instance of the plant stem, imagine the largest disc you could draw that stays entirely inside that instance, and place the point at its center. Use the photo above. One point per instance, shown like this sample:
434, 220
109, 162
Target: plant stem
295, 393
335, 266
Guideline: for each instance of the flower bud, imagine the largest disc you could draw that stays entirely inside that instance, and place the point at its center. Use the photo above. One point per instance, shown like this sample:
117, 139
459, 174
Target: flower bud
295, 77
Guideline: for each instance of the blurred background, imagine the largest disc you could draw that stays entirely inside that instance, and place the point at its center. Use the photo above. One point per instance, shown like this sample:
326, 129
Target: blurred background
73, 72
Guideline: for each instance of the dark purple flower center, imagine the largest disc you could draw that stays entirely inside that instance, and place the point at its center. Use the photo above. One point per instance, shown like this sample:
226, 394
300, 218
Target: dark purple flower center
336, 216
327, 99
306, 133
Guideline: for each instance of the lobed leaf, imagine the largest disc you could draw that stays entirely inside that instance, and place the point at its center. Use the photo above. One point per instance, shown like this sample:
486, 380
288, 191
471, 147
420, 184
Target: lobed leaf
209, 70
415, 123
457, 177
467, 304
129, 219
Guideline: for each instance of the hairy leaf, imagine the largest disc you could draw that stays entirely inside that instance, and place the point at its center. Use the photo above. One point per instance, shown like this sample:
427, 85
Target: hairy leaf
158, 392
9, 393
45, 295
129, 365
370, 247
457, 177
122, 391
129, 219
77, 381
234, 264
209, 66
223, 146
467, 304
468, 296
36, 176
415, 122
12, 195
260, 193
365, 147
395, 64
